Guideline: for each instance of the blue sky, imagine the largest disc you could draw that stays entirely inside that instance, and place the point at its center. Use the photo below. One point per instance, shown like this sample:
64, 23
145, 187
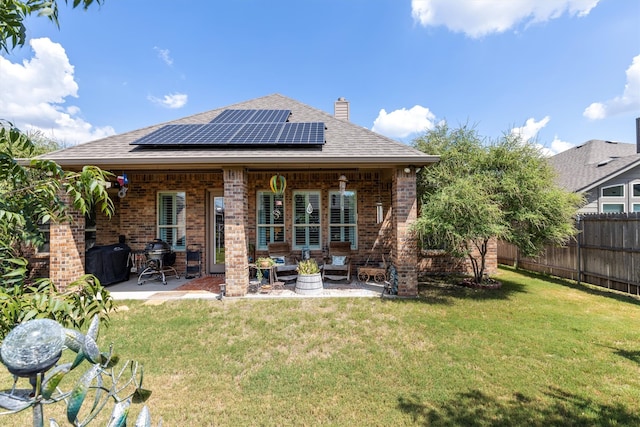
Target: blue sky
560, 71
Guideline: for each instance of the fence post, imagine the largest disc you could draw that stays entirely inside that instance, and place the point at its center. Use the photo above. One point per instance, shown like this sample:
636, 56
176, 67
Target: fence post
578, 255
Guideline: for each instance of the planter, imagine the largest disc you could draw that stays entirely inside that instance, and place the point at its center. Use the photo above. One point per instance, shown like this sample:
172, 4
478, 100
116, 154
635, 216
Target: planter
309, 284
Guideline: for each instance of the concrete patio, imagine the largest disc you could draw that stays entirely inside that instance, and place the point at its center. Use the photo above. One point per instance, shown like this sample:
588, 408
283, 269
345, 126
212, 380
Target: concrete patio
155, 290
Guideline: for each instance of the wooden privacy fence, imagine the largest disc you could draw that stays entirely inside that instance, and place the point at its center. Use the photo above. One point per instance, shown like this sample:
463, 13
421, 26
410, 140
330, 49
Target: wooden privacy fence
605, 253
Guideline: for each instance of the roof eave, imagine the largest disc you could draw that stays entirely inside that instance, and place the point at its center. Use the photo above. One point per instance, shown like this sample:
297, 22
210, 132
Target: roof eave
216, 163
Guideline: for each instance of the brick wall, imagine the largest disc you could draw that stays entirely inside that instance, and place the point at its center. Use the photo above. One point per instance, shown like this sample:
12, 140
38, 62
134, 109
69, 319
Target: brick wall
404, 215
435, 261
66, 252
235, 235
135, 216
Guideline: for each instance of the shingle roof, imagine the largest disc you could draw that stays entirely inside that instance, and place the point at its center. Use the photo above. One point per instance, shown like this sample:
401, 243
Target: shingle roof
586, 166
347, 144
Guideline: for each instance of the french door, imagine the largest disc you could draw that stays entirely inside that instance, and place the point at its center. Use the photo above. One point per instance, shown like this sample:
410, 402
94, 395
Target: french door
215, 227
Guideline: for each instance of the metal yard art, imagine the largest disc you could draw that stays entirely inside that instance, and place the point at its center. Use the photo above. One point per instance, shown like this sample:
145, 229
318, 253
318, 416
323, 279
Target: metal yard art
32, 351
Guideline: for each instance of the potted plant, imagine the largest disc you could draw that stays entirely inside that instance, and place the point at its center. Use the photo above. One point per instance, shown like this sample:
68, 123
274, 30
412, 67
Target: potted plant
308, 266
309, 281
263, 262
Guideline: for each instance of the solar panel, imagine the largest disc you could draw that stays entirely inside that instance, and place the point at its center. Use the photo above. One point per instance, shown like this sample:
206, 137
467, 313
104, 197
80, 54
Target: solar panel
252, 116
258, 133
213, 133
302, 133
239, 127
169, 134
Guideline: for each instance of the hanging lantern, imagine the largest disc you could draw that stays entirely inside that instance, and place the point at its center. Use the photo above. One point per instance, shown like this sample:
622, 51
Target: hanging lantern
343, 184
278, 184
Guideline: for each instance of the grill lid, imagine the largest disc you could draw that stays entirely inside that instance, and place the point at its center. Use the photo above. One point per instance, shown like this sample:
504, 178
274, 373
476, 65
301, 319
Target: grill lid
158, 245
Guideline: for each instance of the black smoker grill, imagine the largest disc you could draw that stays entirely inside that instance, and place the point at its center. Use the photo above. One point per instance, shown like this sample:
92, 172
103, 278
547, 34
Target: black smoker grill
160, 259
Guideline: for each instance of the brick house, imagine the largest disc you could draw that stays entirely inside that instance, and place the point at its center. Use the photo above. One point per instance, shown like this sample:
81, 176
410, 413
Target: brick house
215, 191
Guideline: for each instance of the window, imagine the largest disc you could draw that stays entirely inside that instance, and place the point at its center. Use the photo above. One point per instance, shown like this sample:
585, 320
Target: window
636, 207
612, 207
306, 219
90, 229
172, 219
44, 245
613, 191
343, 217
636, 190
270, 218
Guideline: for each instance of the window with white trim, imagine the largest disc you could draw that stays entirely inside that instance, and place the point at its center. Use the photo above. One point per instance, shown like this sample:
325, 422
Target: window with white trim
171, 224
613, 207
306, 219
270, 218
613, 191
343, 217
636, 190
636, 207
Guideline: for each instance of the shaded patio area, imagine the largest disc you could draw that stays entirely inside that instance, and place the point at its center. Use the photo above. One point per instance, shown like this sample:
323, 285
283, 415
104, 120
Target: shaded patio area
208, 288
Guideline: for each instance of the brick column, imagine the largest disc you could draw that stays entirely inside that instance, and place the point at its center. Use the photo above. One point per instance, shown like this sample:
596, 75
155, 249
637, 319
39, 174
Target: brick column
405, 210
235, 231
66, 250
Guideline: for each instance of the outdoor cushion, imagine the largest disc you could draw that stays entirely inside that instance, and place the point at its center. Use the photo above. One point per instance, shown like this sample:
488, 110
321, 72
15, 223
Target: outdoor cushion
279, 259
338, 260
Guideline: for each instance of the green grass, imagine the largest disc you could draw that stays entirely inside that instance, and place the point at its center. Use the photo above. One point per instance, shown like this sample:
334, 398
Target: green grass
537, 352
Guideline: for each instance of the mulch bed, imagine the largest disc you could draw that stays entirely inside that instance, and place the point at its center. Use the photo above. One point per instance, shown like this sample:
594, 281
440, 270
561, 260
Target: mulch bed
486, 284
207, 283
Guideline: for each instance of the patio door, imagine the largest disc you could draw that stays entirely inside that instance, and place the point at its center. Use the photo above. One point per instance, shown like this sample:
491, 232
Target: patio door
215, 239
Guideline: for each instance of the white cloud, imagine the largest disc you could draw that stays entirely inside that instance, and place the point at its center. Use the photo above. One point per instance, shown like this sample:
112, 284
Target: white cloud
173, 100
556, 146
477, 18
164, 54
529, 132
33, 94
531, 128
402, 123
629, 101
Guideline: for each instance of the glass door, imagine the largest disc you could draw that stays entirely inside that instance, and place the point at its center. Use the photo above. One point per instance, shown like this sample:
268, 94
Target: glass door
216, 234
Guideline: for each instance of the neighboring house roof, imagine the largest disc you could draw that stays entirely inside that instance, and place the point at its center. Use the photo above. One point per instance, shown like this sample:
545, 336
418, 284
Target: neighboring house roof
347, 145
589, 165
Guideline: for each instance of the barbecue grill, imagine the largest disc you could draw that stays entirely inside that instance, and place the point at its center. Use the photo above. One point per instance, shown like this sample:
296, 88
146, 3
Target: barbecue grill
160, 259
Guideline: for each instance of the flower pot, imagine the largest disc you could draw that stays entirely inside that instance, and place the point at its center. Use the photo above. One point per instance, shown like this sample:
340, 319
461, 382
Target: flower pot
309, 284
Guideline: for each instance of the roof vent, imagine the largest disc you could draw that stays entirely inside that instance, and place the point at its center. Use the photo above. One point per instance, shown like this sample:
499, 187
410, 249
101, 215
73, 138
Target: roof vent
341, 109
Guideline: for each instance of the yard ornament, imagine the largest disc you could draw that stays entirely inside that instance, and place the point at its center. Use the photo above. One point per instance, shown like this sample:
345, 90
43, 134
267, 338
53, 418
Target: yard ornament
123, 184
278, 184
32, 351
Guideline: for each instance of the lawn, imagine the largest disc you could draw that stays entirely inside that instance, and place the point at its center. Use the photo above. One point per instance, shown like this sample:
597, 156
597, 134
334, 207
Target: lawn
536, 352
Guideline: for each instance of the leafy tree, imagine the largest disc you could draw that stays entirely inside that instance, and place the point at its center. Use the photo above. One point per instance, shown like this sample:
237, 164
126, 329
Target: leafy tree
13, 13
481, 190
34, 192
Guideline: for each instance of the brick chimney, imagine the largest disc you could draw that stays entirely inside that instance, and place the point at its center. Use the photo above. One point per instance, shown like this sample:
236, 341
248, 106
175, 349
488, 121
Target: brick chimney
341, 109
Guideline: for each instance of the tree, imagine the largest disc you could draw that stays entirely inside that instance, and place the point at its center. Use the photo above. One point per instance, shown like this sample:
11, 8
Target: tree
481, 190
13, 32
34, 192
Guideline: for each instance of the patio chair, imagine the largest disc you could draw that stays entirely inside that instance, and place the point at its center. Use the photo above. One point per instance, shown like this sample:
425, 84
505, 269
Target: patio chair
338, 265
286, 265
193, 259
